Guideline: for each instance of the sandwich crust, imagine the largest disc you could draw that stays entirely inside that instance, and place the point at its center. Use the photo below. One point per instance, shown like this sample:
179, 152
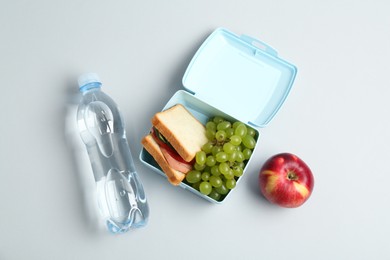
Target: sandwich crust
174, 177
182, 130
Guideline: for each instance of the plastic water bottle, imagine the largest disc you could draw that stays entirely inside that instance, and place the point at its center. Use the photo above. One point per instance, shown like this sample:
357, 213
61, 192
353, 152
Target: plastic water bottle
120, 195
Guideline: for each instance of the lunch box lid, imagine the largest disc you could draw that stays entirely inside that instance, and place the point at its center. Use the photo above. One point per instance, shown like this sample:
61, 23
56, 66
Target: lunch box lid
241, 76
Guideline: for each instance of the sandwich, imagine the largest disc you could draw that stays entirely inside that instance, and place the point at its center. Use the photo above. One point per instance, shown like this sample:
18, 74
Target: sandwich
174, 140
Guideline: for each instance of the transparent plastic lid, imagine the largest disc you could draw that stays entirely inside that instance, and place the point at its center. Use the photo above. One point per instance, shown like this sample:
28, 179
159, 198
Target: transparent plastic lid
241, 76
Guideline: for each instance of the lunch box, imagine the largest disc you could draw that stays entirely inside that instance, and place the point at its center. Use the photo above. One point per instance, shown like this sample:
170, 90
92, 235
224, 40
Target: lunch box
236, 77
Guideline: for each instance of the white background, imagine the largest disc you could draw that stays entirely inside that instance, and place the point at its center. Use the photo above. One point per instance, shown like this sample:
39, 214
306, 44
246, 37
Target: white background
336, 118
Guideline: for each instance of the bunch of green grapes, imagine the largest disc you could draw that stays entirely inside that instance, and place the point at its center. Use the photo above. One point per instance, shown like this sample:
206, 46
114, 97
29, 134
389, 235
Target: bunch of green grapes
222, 159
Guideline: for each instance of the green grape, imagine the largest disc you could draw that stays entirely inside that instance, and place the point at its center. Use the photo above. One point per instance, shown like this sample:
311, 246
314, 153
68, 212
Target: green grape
193, 176
222, 190
199, 167
215, 170
207, 147
205, 176
200, 157
216, 149
211, 125
235, 140
221, 157
224, 125
215, 181
235, 124
221, 160
233, 156
196, 185
229, 175
247, 153
230, 184
240, 130
251, 132
240, 164
210, 134
228, 148
237, 171
210, 160
223, 168
249, 141
229, 132
220, 135
240, 157
205, 188
215, 195
218, 119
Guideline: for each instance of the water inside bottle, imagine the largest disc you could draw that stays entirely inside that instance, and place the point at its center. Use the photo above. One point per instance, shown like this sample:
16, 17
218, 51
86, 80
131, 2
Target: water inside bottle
119, 203
120, 195
99, 121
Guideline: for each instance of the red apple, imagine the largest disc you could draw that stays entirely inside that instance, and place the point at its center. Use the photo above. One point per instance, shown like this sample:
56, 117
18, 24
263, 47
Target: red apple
286, 180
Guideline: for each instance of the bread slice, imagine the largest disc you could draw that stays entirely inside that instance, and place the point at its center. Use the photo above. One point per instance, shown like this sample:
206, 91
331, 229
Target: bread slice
174, 177
182, 130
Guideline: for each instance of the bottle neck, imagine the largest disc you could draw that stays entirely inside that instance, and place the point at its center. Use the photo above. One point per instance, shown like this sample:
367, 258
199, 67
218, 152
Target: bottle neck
90, 86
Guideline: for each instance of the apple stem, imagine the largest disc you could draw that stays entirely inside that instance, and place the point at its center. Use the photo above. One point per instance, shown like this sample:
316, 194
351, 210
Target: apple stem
292, 176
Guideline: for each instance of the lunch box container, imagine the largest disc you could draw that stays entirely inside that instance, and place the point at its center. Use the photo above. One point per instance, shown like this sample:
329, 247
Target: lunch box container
236, 77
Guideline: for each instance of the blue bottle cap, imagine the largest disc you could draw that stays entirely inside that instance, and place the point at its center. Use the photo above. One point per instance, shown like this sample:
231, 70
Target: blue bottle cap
88, 81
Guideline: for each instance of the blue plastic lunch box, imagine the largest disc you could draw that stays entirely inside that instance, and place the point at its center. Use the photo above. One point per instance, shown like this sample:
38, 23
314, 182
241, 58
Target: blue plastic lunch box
227, 63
